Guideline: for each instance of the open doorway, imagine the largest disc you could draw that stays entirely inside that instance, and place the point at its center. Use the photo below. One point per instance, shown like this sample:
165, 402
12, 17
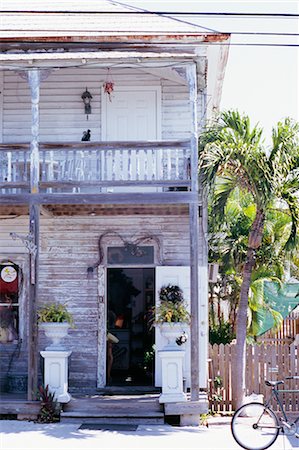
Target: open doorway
130, 294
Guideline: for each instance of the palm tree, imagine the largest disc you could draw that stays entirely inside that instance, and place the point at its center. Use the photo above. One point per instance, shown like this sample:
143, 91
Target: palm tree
228, 247
233, 152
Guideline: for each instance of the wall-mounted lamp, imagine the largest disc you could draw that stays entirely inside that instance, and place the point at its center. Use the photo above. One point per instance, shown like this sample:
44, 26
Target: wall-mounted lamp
86, 97
90, 273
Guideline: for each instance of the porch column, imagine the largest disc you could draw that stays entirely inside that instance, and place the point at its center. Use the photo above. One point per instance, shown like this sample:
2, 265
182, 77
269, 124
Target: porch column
34, 212
194, 232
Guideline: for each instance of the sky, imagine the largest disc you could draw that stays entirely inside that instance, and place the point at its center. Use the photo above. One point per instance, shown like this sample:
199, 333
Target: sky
261, 80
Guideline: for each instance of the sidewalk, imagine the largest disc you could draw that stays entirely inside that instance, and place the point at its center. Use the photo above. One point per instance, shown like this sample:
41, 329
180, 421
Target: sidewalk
18, 435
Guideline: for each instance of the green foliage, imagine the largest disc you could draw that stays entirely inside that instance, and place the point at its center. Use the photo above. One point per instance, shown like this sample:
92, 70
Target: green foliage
172, 308
228, 246
148, 359
171, 293
221, 333
215, 392
49, 410
55, 312
172, 312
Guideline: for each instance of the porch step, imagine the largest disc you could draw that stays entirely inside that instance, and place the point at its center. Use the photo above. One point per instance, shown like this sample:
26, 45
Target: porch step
107, 417
23, 409
117, 409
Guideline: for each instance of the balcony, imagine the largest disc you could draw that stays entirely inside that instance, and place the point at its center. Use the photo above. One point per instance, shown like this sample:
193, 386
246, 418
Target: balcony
97, 167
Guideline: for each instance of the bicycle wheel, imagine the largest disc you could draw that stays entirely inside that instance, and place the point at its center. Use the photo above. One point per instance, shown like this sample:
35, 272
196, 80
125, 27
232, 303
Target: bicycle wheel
254, 426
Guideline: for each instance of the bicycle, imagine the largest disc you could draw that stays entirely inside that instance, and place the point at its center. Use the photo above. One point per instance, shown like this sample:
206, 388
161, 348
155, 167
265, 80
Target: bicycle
255, 426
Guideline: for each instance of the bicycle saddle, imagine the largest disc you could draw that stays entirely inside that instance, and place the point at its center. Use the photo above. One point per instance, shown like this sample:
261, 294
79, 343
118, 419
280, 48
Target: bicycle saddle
273, 383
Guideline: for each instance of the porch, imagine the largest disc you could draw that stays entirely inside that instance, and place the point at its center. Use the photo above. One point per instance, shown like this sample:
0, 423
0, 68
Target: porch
92, 408
97, 167
116, 408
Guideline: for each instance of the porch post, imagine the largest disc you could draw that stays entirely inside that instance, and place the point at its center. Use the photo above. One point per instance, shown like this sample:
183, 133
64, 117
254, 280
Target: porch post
34, 212
194, 232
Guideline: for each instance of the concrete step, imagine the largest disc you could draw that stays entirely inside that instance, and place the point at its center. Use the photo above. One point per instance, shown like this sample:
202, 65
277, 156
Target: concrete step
121, 409
108, 417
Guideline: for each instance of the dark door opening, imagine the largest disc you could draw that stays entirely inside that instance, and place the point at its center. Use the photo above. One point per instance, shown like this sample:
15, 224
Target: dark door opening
130, 361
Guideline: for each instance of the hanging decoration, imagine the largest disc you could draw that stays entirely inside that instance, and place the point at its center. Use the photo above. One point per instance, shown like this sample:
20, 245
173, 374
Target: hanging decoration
108, 85
86, 97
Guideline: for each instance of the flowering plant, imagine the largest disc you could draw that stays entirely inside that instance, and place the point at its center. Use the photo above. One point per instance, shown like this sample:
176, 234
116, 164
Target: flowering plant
173, 307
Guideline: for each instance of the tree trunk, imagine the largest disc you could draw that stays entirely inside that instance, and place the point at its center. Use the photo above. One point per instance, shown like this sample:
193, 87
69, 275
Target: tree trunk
239, 367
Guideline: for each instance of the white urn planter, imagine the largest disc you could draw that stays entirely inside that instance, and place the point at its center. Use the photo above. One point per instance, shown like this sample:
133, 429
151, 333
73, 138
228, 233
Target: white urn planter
171, 331
172, 358
55, 331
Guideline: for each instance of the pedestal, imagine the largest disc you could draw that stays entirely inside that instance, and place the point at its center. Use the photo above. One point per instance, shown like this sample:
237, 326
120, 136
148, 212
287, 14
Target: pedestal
172, 376
56, 374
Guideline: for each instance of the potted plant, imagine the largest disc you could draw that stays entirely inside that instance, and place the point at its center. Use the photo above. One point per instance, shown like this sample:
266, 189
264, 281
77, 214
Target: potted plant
171, 315
55, 320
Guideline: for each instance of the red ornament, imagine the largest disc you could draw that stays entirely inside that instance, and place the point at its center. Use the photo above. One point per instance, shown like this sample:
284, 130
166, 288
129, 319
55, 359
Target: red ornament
108, 85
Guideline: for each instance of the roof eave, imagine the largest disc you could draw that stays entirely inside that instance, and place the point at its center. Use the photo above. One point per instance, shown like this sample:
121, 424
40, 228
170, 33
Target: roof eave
129, 38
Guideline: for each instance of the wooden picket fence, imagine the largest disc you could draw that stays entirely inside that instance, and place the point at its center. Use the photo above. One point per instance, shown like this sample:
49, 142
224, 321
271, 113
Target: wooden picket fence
286, 332
264, 362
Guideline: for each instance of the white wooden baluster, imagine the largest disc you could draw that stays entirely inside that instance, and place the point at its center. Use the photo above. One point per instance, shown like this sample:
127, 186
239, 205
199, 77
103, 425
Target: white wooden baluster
26, 164
129, 164
134, 165
106, 155
16, 167
61, 165
51, 166
113, 165
137, 165
121, 164
152, 155
43, 167
66, 171
75, 165
159, 164
145, 159
98, 164
177, 161
9, 166
168, 164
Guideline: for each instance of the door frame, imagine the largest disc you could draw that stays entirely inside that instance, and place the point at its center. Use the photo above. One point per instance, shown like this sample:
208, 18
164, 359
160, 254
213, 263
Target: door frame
102, 315
130, 89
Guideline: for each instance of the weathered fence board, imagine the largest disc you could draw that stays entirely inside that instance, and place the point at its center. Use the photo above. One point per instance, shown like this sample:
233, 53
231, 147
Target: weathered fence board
264, 361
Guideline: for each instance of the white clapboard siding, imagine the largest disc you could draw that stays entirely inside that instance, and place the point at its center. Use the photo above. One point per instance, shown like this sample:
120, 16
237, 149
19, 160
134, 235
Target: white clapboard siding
62, 116
9, 246
68, 247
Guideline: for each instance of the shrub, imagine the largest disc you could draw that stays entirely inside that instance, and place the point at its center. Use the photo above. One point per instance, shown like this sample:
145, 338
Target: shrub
221, 333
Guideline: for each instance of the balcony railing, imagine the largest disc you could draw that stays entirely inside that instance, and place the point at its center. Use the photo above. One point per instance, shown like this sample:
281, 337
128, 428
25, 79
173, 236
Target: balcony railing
97, 166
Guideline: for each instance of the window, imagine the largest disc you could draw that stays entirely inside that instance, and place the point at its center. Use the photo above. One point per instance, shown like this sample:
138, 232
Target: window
9, 301
130, 254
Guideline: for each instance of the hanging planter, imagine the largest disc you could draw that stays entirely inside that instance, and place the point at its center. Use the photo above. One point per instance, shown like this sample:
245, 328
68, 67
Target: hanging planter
108, 85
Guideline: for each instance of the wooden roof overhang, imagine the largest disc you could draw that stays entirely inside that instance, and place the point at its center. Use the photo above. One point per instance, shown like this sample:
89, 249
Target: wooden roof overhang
36, 53
116, 39
92, 210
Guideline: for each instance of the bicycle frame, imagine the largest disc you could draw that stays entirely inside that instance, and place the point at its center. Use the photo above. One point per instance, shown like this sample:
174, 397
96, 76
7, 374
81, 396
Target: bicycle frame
262, 418
275, 393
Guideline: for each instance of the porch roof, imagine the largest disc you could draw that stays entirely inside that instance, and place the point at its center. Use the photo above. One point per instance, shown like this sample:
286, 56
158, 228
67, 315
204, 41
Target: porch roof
105, 21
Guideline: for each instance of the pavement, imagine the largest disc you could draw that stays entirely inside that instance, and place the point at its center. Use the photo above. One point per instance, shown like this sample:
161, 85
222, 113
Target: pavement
25, 435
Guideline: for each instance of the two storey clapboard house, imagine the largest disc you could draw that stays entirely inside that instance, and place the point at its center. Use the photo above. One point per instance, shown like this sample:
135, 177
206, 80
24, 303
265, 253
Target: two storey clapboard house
101, 105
